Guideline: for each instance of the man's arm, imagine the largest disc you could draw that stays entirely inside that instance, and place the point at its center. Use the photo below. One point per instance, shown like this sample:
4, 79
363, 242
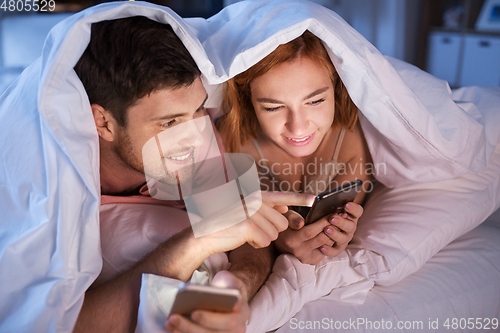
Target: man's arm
252, 266
112, 306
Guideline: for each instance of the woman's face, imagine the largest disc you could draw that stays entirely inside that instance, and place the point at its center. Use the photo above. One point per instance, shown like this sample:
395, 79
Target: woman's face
294, 103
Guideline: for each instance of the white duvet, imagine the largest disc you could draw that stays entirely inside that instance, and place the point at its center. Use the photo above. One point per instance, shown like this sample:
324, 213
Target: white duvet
49, 162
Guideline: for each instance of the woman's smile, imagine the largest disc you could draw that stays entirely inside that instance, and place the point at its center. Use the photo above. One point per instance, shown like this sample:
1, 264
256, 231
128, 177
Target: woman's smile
300, 142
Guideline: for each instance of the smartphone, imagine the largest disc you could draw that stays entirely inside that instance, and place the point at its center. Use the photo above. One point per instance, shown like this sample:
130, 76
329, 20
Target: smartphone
191, 297
330, 202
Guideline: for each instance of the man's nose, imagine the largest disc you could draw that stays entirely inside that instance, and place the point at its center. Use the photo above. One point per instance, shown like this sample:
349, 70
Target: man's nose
191, 136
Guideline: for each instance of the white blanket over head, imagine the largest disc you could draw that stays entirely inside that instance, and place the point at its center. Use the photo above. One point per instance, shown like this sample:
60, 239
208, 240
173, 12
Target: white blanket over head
410, 121
49, 178
49, 161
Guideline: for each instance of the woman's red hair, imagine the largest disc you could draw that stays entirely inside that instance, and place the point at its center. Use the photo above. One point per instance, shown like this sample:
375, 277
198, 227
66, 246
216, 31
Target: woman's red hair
238, 123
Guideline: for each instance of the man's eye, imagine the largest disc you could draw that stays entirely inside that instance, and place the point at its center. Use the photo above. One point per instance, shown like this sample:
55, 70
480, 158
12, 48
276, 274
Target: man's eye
168, 124
319, 101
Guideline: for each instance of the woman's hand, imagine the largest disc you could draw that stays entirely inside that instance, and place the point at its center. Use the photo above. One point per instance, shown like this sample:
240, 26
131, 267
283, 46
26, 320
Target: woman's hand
326, 237
341, 229
304, 243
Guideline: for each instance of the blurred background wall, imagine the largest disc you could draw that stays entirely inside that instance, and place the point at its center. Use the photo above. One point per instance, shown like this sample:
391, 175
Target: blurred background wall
443, 37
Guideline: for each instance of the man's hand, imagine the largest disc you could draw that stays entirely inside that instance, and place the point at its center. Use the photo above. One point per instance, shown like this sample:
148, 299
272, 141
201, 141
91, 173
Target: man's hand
261, 228
326, 237
207, 321
177, 258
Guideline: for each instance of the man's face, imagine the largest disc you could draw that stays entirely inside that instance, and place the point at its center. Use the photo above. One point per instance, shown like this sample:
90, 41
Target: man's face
161, 111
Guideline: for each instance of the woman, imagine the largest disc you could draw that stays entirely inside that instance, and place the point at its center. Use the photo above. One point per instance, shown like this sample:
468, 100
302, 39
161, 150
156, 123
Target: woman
292, 113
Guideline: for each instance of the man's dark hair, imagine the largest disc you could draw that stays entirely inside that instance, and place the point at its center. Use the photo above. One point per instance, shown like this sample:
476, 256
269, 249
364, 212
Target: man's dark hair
130, 58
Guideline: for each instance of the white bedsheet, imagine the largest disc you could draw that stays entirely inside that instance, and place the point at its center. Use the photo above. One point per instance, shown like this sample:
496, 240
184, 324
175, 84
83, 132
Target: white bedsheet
461, 281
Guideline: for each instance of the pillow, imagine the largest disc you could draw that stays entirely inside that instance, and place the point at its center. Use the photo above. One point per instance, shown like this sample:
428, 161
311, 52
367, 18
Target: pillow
403, 227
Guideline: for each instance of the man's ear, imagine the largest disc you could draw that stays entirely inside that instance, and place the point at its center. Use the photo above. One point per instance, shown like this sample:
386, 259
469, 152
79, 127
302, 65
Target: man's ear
105, 123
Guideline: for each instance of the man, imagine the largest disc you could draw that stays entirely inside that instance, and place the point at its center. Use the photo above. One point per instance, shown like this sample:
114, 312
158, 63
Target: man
141, 80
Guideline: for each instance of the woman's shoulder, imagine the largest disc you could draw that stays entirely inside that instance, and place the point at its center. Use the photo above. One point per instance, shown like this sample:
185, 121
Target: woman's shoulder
354, 145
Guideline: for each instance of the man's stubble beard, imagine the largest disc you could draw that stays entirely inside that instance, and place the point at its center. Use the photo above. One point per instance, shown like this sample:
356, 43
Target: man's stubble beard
125, 152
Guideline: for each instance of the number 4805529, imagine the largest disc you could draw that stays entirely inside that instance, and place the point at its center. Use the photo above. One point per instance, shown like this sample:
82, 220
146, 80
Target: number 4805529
28, 5
471, 323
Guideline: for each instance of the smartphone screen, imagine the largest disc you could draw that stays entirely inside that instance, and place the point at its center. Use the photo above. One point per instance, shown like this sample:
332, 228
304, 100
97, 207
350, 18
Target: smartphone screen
331, 202
191, 297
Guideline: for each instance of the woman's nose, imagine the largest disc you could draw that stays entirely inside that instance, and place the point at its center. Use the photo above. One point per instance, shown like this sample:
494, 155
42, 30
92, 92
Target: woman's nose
297, 122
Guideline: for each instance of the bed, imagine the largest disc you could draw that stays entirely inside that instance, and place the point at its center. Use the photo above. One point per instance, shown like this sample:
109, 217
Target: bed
417, 253
422, 245
461, 281
442, 153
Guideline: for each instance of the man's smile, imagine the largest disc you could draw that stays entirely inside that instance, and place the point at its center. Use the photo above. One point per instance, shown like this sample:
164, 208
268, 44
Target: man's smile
181, 158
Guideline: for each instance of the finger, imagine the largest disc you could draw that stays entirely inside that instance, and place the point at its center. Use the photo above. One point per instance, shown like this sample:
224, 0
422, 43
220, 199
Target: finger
277, 220
224, 321
221, 321
264, 226
281, 209
354, 209
343, 224
295, 220
257, 199
310, 231
320, 240
288, 198
331, 251
177, 323
337, 236
256, 234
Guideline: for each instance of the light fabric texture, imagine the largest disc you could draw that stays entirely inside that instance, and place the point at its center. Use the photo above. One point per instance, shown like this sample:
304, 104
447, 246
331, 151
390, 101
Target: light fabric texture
413, 127
460, 281
49, 183
425, 141
400, 230
129, 231
49, 162
293, 284
403, 227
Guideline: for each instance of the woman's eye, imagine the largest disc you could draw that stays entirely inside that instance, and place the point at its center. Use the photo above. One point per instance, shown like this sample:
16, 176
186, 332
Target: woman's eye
319, 101
271, 109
